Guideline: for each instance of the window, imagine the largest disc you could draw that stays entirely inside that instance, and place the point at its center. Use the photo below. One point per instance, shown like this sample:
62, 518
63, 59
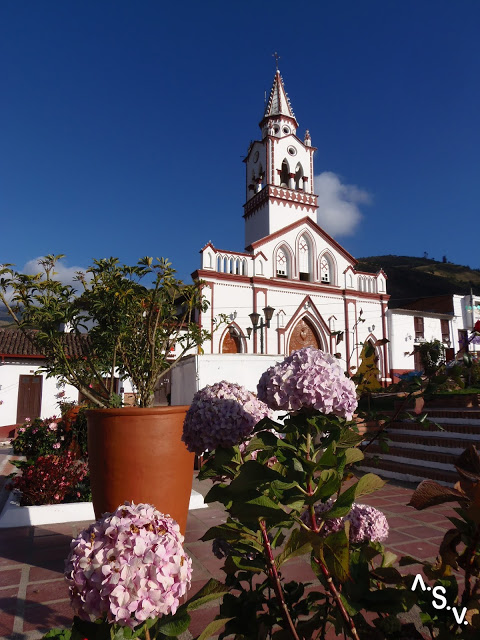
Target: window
325, 270
282, 264
285, 175
304, 259
299, 177
445, 328
418, 325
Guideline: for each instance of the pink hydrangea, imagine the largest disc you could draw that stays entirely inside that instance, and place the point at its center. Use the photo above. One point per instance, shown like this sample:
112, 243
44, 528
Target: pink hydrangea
128, 566
366, 523
308, 379
221, 415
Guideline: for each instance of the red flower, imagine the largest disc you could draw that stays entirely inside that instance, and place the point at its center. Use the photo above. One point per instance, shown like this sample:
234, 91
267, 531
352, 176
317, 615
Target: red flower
476, 326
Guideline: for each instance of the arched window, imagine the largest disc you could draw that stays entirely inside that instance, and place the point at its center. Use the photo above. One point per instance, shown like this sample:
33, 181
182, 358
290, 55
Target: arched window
285, 175
282, 263
261, 178
260, 268
326, 270
299, 177
304, 259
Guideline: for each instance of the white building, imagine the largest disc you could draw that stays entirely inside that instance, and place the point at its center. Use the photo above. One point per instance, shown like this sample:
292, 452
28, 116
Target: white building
26, 392
291, 268
449, 319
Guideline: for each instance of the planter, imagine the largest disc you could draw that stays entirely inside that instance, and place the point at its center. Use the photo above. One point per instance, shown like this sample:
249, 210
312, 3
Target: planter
13, 515
136, 454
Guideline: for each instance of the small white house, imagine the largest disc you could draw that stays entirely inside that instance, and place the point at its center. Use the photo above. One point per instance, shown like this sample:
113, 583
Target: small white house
449, 319
26, 392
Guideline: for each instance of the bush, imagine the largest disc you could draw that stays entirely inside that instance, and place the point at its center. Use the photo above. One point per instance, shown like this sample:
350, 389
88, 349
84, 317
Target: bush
50, 479
50, 446
41, 437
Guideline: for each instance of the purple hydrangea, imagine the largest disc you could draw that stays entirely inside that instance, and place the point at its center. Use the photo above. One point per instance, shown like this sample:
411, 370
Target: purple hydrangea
366, 523
128, 566
308, 379
221, 415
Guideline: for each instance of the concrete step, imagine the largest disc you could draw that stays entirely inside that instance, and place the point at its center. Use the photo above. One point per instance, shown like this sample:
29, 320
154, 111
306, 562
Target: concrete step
406, 472
418, 450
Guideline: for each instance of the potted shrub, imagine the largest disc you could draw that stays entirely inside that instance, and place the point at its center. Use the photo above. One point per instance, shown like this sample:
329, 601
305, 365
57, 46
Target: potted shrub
121, 322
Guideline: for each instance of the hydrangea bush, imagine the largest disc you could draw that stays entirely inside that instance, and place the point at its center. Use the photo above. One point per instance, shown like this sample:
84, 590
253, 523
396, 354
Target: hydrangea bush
308, 379
56, 467
128, 566
50, 479
285, 493
367, 524
221, 415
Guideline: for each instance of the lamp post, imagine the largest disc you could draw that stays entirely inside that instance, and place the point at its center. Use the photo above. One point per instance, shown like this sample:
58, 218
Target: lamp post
259, 325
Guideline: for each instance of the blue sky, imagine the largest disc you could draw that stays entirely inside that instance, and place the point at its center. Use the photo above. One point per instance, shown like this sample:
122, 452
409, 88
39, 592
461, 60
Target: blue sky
125, 123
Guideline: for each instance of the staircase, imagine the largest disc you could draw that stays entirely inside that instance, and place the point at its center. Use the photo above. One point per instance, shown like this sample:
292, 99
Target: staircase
417, 452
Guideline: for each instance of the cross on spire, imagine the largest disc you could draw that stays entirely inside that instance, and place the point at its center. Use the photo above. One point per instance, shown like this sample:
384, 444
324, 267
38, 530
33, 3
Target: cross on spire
277, 58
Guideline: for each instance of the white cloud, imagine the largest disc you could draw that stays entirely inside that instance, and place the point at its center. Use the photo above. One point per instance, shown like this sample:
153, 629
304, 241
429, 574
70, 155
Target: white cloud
63, 273
338, 204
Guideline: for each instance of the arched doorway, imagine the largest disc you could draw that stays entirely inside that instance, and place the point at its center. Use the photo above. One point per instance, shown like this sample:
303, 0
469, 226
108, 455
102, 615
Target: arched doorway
304, 334
231, 344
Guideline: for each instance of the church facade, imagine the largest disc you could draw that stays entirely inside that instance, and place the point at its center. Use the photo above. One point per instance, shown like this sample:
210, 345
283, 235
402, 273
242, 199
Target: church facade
293, 285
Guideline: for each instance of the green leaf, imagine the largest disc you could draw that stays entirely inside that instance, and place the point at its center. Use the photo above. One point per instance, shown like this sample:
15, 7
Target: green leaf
214, 626
353, 455
176, 624
259, 507
61, 634
298, 544
343, 504
336, 553
219, 493
210, 591
368, 483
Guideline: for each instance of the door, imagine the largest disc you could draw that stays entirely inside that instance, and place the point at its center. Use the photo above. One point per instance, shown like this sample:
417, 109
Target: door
231, 344
303, 335
29, 402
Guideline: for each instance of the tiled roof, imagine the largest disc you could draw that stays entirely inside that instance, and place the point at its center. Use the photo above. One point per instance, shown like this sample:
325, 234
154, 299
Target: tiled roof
13, 342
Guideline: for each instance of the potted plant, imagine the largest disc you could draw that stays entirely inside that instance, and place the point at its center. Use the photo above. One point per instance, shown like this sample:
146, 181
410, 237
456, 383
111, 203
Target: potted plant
122, 322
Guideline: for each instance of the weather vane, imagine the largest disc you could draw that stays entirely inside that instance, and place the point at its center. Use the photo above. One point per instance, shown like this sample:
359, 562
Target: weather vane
277, 58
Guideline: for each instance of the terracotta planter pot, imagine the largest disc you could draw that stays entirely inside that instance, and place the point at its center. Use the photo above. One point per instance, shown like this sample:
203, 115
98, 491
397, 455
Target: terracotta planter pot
136, 454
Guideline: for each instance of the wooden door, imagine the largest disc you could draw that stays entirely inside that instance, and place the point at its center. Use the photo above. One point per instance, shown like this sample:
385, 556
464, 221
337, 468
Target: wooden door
231, 344
29, 402
304, 335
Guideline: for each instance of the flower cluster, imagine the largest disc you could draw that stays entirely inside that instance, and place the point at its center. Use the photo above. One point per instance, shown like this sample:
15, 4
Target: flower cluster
221, 415
128, 566
40, 437
366, 523
49, 479
308, 379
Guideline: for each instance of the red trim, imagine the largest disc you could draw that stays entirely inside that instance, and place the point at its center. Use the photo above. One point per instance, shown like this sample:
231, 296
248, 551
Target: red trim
347, 333
203, 274
236, 253
384, 331
212, 307
22, 355
271, 192
309, 222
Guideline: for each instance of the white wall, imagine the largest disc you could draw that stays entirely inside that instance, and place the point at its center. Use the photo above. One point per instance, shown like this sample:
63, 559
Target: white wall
9, 382
195, 372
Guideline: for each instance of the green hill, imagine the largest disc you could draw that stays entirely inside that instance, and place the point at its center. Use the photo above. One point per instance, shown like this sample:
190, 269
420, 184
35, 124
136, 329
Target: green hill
410, 278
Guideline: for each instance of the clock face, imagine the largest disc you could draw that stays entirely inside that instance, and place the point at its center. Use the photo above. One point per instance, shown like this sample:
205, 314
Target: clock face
255, 156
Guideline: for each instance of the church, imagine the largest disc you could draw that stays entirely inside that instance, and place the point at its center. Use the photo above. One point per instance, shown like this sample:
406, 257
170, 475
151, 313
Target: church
293, 285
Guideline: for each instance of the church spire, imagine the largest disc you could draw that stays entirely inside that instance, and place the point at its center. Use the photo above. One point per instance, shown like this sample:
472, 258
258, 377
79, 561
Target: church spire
279, 103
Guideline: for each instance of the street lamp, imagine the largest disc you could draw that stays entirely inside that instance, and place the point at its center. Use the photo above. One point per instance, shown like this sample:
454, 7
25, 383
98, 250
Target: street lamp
259, 325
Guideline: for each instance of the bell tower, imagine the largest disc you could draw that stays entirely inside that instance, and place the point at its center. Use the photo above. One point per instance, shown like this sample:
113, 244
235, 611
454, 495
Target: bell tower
279, 171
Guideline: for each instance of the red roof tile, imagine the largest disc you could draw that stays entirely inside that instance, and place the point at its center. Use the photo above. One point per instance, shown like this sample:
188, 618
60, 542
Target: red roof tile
14, 343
